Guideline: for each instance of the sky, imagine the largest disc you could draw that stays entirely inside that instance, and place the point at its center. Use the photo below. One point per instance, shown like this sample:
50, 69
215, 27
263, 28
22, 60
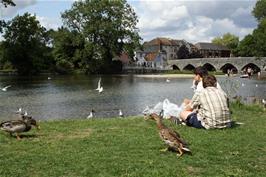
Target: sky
191, 20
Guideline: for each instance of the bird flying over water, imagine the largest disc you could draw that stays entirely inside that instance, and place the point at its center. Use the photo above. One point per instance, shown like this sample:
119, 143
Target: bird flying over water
99, 84
5, 88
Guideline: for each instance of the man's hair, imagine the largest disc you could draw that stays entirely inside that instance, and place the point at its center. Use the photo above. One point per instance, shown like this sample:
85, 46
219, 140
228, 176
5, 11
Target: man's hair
200, 70
209, 81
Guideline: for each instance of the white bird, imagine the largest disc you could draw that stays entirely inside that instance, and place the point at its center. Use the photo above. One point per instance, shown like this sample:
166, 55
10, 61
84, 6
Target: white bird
167, 80
121, 113
101, 90
19, 111
99, 84
5, 88
49, 78
256, 85
25, 113
264, 102
243, 84
91, 115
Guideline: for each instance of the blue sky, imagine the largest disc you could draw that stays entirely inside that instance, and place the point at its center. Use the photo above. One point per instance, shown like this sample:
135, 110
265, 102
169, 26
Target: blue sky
191, 20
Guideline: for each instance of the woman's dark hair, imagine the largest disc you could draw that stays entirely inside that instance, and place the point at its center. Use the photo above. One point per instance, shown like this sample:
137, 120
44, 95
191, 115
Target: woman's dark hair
200, 70
209, 81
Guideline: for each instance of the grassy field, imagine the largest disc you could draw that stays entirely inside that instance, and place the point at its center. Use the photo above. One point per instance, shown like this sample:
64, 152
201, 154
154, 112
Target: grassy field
131, 147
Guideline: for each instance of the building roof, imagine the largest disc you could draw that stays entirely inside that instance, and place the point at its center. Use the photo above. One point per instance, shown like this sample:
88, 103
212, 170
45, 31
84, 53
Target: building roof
164, 41
210, 46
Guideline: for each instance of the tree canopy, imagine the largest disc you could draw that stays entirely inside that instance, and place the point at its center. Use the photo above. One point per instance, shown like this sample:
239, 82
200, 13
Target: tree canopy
259, 10
7, 2
25, 44
108, 28
254, 44
229, 40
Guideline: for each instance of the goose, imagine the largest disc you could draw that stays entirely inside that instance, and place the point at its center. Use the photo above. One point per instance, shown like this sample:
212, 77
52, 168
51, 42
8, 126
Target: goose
170, 137
5, 88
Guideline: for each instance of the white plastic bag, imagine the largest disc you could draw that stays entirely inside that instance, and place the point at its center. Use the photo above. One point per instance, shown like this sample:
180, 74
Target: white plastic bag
170, 109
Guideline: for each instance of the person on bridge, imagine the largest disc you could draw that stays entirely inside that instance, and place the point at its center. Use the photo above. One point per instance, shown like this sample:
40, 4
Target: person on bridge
209, 108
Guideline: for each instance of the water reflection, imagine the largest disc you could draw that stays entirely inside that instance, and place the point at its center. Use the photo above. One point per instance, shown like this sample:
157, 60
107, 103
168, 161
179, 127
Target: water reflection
64, 97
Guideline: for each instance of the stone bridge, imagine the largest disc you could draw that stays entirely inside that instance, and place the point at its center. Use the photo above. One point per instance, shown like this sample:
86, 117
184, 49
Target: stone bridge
237, 64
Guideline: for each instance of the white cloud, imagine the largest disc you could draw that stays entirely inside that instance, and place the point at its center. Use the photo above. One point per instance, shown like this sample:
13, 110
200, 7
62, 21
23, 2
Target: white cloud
49, 23
194, 21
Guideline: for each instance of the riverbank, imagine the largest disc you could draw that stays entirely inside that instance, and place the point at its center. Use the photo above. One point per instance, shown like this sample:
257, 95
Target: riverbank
131, 147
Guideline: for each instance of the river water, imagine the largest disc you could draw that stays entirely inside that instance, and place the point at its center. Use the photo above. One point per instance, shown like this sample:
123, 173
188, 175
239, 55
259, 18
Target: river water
64, 97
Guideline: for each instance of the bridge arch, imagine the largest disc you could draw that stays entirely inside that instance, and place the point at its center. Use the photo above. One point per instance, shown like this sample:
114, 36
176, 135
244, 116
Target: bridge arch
189, 67
209, 67
254, 67
175, 67
229, 66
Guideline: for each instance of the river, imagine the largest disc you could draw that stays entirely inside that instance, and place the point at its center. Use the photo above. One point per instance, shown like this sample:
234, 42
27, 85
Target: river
65, 97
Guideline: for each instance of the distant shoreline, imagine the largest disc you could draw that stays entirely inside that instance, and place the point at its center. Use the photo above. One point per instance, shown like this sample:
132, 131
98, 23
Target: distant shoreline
169, 75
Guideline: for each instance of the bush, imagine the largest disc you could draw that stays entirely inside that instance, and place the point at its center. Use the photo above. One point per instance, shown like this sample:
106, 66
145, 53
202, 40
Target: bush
64, 67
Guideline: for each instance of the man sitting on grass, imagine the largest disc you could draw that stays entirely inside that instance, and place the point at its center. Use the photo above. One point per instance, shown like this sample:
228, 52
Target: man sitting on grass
209, 108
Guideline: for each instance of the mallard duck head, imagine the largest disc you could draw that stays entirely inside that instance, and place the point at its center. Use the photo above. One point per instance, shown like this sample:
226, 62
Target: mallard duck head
30, 121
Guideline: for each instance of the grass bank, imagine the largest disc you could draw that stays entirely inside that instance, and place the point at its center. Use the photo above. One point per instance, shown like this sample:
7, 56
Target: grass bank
130, 147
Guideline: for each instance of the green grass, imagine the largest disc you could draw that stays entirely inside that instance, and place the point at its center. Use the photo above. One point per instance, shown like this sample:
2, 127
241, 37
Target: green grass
131, 147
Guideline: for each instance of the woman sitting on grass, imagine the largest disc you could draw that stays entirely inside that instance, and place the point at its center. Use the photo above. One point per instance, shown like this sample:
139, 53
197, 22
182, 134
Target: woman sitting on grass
208, 109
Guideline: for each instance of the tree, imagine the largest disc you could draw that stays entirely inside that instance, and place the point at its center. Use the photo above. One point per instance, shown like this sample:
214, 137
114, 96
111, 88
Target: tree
246, 46
68, 49
7, 2
259, 11
229, 40
25, 44
183, 52
109, 28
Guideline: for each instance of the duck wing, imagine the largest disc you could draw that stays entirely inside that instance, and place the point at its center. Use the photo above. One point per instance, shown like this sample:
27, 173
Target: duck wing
13, 126
171, 137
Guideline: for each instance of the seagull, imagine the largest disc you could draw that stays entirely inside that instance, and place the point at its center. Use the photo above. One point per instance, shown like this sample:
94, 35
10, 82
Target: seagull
264, 102
243, 84
91, 115
99, 84
19, 111
100, 90
49, 78
121, 113
167, 80
5, 88
256, 85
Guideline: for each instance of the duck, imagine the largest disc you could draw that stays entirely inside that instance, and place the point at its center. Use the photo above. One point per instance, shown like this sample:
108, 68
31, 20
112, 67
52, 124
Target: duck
18, 126
170, 137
